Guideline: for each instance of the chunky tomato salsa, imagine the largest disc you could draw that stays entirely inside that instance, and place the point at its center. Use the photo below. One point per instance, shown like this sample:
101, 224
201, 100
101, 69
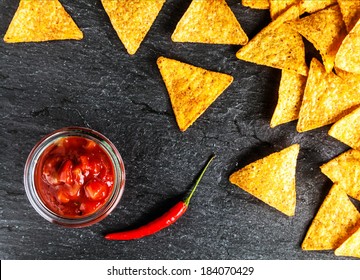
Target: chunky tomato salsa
74, 177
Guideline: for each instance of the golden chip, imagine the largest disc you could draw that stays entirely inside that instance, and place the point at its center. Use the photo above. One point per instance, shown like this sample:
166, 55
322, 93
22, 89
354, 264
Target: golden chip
256, 4
325, 30
191, 89
334, 222
278, 7
312, 6
132, 19
347, 129
327, 98
41, 20
277, 45
351, 247
353, 78
348, 56
345, 171
271, 179
291, 91
209, 21
350, 10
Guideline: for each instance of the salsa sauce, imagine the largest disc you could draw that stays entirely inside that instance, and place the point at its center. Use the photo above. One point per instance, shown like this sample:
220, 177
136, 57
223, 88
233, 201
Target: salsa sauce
74, 177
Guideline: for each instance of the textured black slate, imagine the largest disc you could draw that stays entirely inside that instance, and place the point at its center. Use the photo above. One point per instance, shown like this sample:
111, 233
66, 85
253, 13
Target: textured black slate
95, 83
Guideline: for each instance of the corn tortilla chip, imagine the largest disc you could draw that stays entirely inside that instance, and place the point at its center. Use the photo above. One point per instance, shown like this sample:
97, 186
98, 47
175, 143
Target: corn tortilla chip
256, 4
347, 129
41, 20
344, 170
191, 89
277, 7
271, 179
353, 78
312, 6
277, 45
351, 246
348, 55
132, 19
194, 25
325, 29
327, 98
334, 222
291, 91
350, 10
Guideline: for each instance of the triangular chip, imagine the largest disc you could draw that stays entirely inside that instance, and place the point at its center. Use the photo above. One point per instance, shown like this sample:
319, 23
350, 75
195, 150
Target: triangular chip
348, 76
347, 129
271, 179
351, 246
41, 20
291, 91
350, 10
256, 4
278, 7
132, 19
327, 98
345, 171
352, 80
348, 56
277, 45
191, 89
334, 222
325, 29
312, 6
211, 22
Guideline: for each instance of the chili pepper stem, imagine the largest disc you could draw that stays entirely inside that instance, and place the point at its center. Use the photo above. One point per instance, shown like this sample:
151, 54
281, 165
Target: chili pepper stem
188, 198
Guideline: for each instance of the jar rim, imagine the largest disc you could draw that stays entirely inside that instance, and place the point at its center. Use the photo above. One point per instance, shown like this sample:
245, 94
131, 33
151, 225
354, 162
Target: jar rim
119, 176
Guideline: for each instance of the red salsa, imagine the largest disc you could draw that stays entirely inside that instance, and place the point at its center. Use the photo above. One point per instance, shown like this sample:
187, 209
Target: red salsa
74, 177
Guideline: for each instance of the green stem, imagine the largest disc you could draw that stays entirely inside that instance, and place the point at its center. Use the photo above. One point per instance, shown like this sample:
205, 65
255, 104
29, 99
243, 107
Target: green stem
187, 200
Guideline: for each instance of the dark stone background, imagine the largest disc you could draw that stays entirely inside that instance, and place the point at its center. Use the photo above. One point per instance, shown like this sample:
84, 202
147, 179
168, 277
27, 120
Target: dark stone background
95, 83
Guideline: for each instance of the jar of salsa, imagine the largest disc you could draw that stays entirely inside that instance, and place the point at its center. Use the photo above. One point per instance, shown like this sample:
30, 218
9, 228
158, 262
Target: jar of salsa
74, 177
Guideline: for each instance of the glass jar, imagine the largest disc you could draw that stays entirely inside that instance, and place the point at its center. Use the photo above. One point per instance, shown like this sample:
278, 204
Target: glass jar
74, 177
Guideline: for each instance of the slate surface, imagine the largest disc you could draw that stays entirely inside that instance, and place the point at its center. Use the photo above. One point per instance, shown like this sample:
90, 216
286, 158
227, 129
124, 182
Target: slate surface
95, 83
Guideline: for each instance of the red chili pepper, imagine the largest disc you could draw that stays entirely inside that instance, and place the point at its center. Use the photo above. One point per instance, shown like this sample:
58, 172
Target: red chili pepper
163, 221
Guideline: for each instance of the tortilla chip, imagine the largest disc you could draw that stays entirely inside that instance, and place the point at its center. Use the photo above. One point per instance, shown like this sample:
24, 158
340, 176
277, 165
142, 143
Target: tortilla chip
312, 6
191, 89
277, 7
353, 78
351, 246
132, 19
327, 98
334, 222
41, 20
291, 91
194, 25
347, 129
345, 171
350, 10
348, 55
256, 4
271, 179
325, 30
277, 45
